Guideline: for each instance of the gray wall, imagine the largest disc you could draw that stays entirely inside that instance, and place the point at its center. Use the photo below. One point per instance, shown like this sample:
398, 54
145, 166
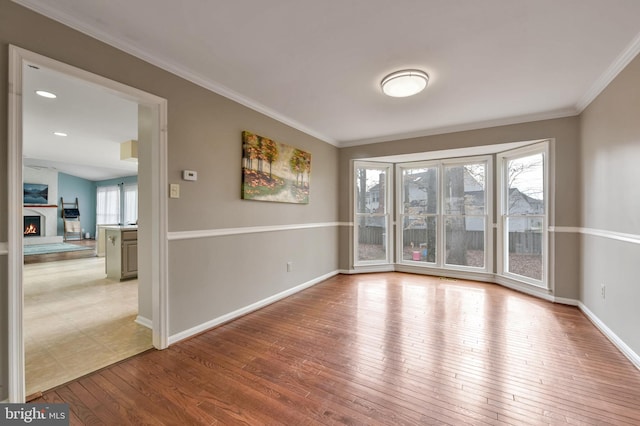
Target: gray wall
566, 134
611, 202
204, 135
216, 275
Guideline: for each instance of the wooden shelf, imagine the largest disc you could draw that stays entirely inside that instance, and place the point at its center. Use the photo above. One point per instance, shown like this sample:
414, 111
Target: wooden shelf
39, 205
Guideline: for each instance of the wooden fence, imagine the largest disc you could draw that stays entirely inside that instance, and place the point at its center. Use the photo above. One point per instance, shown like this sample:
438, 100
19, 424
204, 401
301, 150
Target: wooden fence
527, 242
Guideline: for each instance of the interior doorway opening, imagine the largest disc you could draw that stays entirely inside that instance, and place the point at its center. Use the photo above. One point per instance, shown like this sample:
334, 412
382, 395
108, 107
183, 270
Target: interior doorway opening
152, 248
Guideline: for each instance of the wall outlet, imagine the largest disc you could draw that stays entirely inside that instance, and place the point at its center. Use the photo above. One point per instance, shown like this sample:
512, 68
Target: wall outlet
603, 291
289, 266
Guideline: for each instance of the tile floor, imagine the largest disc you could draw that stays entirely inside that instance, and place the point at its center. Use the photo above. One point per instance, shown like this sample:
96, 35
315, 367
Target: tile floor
77, 321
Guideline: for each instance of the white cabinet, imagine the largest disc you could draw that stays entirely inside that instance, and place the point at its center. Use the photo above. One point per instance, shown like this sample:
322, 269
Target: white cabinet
121, 250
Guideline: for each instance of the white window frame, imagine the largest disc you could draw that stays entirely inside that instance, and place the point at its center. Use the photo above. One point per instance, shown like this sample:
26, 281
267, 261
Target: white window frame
388, 240
440, 259
488, 212
502, 244
108, 188
129, 187
400, 167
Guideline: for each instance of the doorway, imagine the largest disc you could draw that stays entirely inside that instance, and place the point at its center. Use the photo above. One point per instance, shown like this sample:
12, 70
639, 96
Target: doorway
152, 241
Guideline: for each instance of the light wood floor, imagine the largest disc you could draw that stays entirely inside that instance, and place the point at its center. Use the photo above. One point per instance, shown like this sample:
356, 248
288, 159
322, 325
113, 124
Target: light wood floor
77, 321
372, 349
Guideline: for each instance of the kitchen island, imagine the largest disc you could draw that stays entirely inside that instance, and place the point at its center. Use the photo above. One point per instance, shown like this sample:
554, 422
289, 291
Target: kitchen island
121, 252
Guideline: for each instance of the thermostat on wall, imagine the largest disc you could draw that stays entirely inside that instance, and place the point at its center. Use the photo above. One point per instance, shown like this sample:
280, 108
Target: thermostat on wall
189, 175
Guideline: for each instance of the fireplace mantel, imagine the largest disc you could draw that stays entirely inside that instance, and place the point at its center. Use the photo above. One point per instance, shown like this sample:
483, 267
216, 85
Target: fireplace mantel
48, 225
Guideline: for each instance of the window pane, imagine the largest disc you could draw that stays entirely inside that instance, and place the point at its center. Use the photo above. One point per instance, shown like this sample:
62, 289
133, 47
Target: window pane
107, 205
130, 204
465, 241
420, 191
419, 238
525, 246
525, 177
464, 189
372, 235
371, 190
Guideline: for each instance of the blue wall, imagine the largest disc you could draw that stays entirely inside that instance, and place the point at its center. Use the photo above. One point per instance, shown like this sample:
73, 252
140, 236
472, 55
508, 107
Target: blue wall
117, 181
70, 187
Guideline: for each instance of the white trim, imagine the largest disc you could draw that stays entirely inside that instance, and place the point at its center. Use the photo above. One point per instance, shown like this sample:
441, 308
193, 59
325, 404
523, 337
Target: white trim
619, 343
16, 379
544, 148
387, 215
367, 269
159, 213
612, 235
523, 287
145, 322
566, 301
600, 325
528, 118
627, 55
485, 277
208, 233
4, 248
247, 309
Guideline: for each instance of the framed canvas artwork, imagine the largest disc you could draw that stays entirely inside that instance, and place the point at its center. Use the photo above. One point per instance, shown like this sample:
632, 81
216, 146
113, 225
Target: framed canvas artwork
273, 171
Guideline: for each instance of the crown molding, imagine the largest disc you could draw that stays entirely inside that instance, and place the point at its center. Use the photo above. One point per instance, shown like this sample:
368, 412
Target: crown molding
601, 83
627, 55
478, 125
49, 11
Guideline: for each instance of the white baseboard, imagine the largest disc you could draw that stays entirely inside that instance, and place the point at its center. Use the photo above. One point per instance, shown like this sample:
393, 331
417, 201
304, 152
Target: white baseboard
448, 273
367, 269
613, 337
566, 301
145, 322
247, 309
525, 288
540, 293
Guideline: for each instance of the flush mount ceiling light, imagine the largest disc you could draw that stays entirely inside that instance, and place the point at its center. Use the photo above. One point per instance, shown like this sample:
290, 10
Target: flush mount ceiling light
46, 94
60, 133
401, 84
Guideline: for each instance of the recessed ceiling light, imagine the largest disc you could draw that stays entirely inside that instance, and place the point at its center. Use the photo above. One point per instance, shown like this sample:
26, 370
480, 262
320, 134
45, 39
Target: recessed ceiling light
401, 84
60, 133
46, 94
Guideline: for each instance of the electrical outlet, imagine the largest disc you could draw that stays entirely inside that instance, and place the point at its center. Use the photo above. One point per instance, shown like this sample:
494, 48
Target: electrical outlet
603, 291
289, 266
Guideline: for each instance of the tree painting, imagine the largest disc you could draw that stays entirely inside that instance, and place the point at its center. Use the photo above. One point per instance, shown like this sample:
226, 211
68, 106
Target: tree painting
273, 171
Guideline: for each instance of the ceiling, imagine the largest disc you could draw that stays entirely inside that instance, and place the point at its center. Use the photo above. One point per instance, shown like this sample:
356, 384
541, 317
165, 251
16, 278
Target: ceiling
96, 123
317, 65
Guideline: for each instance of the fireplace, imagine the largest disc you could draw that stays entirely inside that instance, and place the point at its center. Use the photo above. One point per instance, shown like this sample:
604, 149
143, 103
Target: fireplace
32, 226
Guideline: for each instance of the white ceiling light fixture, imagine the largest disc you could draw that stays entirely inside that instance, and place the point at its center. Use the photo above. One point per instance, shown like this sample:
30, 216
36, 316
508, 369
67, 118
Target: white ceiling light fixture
46, 94
401, 84
60, 134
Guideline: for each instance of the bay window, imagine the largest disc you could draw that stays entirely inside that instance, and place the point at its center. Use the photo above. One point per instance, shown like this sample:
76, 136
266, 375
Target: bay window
523, 208
443, 214
372, 213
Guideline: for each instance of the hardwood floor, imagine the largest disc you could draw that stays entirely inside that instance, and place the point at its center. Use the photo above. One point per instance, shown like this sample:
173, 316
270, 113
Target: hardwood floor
386, 348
